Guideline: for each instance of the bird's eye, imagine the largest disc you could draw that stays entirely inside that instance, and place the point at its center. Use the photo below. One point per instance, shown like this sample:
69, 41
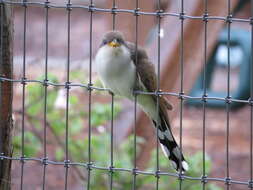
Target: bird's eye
104, 42
119, 40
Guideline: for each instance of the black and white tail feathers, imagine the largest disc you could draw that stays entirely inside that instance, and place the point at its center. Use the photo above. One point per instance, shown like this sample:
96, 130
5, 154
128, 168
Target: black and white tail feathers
169, 145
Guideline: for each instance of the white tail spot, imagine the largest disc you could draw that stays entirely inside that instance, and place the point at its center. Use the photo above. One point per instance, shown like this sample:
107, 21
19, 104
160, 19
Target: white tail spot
185, 165
165, 150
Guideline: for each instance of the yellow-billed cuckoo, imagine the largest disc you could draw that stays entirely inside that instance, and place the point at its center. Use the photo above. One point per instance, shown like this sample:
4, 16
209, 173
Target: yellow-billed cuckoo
122, 74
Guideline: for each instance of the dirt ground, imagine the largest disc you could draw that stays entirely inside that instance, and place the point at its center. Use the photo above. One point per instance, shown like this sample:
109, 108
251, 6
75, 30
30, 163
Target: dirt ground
239, 140
192, 118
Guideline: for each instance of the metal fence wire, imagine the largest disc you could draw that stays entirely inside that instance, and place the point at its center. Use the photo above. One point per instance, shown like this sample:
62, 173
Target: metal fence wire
89, 166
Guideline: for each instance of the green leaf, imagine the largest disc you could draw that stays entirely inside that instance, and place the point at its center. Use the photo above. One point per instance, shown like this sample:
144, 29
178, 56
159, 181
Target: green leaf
78, 75
76, 126
37, 123
35, 109
32, 144
50, 76
211, 186
98, 83
101, 113
73, 100
58, 127
59, 154
51, 97
35, 92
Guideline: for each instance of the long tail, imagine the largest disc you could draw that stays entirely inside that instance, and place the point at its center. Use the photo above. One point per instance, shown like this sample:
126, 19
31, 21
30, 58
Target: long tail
169, 145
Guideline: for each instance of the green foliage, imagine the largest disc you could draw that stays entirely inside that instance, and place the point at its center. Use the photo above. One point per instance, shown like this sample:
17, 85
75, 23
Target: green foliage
36, 95
123, 158
195, 162
78, 75
98, 83
102, 112
100, 142
32, 143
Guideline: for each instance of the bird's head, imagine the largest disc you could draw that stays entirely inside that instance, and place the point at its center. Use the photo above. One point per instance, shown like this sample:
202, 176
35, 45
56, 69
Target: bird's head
113, 39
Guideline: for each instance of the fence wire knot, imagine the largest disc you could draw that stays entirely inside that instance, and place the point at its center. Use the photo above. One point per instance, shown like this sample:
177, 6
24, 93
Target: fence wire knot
229, 19
91, 7
24, 3
89, 87
66, 163
250, 184
47, 4
228, 181
181, 176
250, 100
157, 174
134, 171
45, 161
23, 80
182, 16
181, 95
204, 179
45, 82
228, 100
204, 97
67, 85
111, 169
251, 21
205, 17
2, 78
158, 93
114, 10
159, 13
89, 166
69, 6
22, 159
136, 12
2, 156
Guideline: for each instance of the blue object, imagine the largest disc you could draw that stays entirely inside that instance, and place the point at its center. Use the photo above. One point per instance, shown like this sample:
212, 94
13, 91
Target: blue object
240, 48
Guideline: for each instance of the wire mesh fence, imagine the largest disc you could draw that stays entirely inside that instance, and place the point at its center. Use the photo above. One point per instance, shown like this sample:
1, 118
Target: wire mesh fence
89, 165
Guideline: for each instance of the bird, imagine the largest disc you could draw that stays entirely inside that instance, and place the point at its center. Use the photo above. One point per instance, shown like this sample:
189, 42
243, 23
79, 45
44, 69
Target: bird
125, 69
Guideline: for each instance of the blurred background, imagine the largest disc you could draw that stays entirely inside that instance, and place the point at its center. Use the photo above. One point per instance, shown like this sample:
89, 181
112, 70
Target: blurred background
239, 147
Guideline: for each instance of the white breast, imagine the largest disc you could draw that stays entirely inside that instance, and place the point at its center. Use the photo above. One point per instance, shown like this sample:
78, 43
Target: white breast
116, 69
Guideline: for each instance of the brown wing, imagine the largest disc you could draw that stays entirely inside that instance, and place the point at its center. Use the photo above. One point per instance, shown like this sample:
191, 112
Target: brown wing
146, 72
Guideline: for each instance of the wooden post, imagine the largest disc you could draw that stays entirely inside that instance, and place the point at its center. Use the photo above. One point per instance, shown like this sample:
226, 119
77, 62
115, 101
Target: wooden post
6, 123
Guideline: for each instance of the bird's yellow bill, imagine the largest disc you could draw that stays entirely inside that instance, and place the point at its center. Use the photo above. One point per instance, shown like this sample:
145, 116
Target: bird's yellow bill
113, 44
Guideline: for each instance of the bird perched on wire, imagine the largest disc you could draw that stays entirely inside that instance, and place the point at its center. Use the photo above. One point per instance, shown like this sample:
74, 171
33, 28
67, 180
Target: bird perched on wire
123, 70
